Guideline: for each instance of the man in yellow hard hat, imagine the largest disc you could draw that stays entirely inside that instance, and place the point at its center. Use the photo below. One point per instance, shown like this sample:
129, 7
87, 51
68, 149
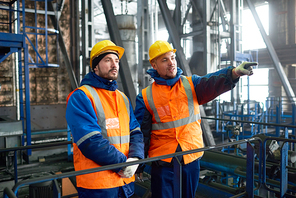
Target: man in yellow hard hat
169, 115
104, 128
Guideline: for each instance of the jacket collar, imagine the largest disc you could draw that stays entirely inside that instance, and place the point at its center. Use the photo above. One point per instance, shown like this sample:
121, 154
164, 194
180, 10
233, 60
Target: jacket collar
94, 80
159, 80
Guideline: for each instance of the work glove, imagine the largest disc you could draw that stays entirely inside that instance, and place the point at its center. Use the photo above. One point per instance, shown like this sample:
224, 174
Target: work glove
129, 171
244, 69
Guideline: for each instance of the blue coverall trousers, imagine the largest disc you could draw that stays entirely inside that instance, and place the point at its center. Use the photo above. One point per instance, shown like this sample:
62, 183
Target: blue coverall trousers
162, 179
119, 192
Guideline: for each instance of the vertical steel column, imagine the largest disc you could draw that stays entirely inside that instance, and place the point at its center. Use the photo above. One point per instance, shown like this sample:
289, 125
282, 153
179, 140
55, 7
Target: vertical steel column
250, 170
145, 37
177, 17
248, 92
89, 28
222, 11
284, 164
232, 55
142, 31
207, 35
83, 37
142, 13
46, 34
22, 113
155, 13
87, 33
17, 89
15, 167
27, 96
274, 57
56, 191
217, 115
293, 119
233, 23
27, 86
125, 74
291, 21
75, 38
277, 120
21, 98
177, 178
36, 33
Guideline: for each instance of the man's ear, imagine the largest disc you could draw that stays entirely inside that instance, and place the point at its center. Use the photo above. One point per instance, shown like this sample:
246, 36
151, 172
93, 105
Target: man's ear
96, 68
153, 64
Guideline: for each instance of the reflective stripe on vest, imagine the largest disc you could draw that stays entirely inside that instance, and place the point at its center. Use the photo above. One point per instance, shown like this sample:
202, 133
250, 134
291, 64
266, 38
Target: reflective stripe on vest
177, 123
102, 120
114, 122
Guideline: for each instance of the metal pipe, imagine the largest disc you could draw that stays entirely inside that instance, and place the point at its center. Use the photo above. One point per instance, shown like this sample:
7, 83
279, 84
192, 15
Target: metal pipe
272, 182
50, 131
222, 162
8, 192
127, 31
251, 122
15, 167
230, 164
35, 146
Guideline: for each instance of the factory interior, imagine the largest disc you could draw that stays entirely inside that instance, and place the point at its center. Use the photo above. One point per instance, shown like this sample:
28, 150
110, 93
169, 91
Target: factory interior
248, 132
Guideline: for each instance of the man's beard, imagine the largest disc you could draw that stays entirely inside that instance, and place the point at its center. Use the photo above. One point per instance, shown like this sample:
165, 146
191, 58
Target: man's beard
110, 76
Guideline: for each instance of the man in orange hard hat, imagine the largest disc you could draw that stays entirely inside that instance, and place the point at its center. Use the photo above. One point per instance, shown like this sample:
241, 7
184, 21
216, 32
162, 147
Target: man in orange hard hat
104, 128
169, 115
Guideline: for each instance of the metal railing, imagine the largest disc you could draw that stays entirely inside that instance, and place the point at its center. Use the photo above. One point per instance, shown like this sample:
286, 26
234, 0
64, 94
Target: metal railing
177, 172
249, 175
20, 148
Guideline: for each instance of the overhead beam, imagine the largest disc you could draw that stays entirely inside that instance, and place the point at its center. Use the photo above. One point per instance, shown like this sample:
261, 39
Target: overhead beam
124, 71
62, 45
274, 57
174, 36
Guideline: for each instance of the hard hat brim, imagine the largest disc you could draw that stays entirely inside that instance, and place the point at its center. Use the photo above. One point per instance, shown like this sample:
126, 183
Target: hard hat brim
174, 50
118, 49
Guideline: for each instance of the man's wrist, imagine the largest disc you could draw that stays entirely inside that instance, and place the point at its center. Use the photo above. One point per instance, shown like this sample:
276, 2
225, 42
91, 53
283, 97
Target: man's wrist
235, 74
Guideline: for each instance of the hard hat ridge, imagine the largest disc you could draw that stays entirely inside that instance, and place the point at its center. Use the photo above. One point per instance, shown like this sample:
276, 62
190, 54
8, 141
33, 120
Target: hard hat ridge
158, 48
104, 47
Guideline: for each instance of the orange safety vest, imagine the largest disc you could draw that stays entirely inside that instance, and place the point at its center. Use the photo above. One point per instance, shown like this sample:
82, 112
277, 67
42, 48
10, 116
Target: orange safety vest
175, 119
112, 109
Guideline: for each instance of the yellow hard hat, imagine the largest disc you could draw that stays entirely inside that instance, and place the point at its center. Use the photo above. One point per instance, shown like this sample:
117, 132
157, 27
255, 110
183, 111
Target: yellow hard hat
102, 47
159, 48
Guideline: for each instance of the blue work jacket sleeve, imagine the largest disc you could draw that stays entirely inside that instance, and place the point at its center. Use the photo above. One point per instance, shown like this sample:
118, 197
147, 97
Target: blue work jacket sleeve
210, 86
136, 147
145, 119
83, 123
